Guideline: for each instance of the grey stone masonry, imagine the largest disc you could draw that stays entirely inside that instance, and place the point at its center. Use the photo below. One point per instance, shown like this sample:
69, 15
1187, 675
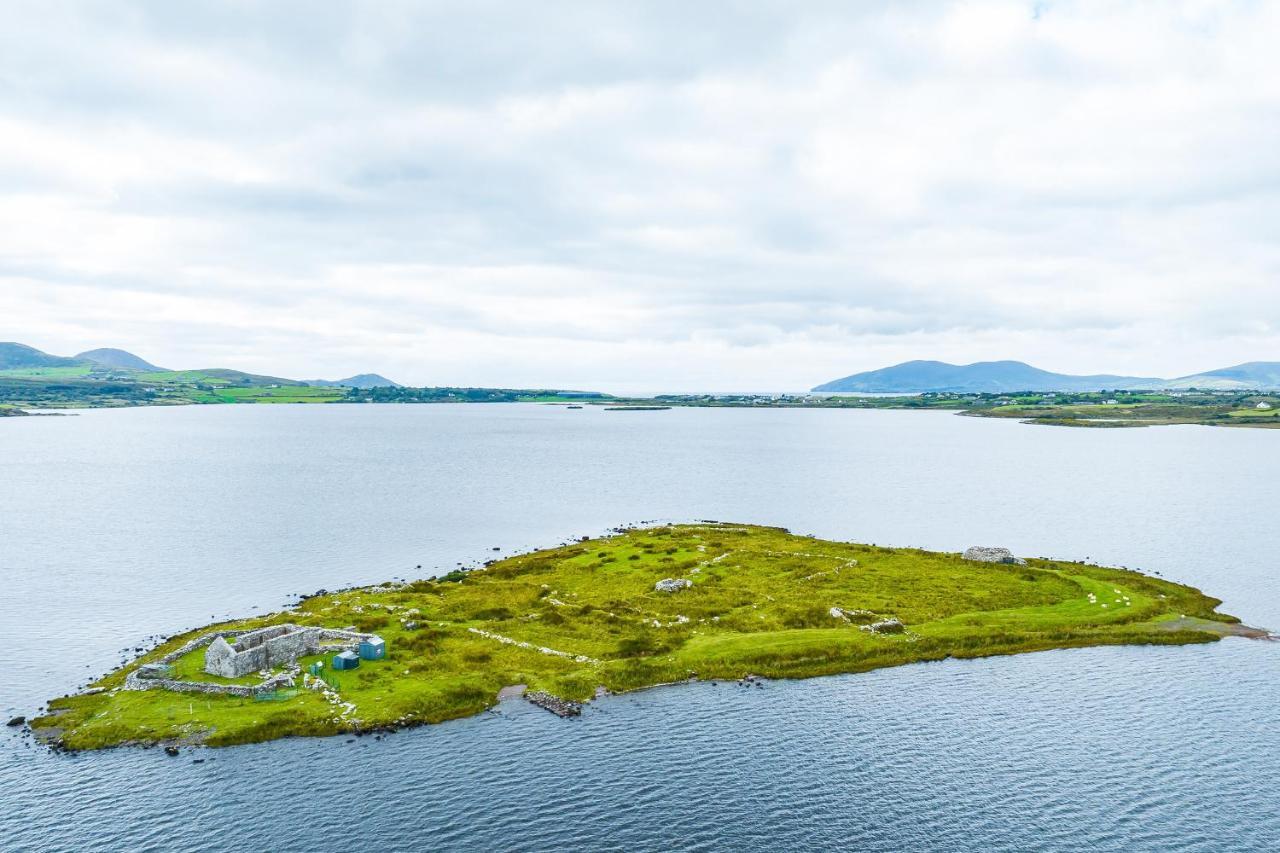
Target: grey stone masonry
261, 649
984, 554
265, 648
233, 654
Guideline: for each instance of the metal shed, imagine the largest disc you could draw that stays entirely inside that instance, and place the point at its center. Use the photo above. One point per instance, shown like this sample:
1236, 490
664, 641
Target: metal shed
346, 660
374, 648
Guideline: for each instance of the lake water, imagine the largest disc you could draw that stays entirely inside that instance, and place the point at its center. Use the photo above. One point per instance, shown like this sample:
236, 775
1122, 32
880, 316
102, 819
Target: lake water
119, 524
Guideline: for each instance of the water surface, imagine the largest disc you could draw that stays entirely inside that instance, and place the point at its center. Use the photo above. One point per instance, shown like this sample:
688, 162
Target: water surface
115, 525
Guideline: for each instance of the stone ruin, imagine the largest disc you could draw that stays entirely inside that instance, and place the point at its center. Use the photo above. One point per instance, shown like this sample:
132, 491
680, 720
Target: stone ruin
983, 554
265, 648
248, 651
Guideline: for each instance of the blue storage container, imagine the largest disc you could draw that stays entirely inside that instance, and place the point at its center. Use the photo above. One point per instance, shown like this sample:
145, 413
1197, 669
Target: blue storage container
374, 648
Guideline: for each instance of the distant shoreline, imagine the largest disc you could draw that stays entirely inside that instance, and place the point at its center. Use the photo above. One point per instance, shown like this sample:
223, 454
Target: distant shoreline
1087, 410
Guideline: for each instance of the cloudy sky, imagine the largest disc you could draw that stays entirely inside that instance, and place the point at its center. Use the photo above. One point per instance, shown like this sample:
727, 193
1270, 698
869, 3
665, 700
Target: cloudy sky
635, 197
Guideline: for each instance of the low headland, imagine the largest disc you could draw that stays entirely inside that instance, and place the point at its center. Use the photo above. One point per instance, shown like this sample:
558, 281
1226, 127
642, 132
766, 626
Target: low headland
646, 606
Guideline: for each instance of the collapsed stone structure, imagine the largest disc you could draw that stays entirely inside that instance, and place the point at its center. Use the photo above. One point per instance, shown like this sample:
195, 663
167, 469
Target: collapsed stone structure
264, 648
250, 651
275, 645
983, 554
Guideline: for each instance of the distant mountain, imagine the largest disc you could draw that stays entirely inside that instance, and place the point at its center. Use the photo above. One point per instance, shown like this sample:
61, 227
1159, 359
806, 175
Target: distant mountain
361, 380
985, 376
20, 355
1251, 374
109, 357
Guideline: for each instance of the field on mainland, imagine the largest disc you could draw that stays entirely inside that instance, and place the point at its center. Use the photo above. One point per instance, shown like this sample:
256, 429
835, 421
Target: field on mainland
569, 620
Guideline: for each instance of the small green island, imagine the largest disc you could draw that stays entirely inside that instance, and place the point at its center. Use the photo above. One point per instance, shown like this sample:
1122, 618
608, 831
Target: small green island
647, 606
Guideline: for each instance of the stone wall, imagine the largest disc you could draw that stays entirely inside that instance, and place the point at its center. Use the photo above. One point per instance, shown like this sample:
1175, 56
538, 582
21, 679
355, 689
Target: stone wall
287, 648
262, 649
133, 683
254, 650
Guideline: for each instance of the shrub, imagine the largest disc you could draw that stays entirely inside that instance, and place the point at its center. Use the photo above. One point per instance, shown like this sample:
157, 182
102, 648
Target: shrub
367, 624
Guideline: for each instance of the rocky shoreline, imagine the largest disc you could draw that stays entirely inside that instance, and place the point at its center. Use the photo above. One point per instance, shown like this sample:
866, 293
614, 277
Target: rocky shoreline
554, 704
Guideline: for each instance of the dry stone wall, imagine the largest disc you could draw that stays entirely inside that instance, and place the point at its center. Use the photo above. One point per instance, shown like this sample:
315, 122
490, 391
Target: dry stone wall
258, 650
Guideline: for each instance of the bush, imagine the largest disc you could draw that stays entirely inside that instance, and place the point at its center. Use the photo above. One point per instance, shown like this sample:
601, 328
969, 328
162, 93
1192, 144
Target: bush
367, 624
493, 614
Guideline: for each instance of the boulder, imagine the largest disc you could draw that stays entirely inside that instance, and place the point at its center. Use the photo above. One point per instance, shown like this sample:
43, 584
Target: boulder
153, 671
985, 554
16, 721
672, 584
885, 626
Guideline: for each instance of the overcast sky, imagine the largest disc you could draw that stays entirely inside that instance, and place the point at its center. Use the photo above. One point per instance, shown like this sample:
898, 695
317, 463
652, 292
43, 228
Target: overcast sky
642, 196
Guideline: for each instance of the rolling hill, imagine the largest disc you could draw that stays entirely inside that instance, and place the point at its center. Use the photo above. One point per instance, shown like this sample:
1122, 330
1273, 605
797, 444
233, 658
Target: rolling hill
360, 380
1251, 374
110, 357
14, 356
984, 376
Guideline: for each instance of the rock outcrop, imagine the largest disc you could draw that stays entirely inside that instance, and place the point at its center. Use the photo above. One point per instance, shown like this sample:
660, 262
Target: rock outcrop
985, 554
672, 584
885, 626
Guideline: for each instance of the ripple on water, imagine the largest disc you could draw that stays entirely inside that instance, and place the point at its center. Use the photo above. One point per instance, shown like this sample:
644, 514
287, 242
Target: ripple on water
117, 524
1106, 749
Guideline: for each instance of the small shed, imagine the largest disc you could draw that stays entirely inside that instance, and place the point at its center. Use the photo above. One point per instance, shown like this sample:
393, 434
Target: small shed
346, 660
374, 648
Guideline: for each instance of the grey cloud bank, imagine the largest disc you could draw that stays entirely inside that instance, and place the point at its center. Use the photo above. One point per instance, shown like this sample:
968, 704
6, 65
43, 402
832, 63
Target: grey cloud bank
662, 198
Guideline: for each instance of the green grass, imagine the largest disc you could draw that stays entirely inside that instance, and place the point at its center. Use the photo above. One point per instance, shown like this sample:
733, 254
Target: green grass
48, 372
760, 603
283, 394
180, 377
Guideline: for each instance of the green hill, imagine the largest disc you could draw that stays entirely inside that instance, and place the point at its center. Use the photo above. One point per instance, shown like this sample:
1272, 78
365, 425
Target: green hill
109, 357
16, 356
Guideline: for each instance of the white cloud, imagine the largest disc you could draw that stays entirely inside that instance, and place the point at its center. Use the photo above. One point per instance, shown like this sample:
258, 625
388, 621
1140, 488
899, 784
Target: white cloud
642, 198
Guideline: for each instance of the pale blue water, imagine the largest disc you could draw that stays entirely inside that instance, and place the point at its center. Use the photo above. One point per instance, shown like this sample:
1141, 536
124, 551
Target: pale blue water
115, 525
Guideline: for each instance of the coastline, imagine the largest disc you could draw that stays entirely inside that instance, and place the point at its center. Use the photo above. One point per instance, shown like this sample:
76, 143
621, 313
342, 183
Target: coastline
571, 622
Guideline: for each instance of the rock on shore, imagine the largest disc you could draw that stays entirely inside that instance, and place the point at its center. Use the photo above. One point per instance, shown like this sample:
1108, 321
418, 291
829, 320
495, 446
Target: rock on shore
554, 704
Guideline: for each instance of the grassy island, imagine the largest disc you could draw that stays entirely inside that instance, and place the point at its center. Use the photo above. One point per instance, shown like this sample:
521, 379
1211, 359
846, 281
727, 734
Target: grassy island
647, 606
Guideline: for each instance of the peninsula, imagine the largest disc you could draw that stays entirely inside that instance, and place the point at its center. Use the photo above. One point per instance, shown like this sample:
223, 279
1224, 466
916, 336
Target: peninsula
646, 606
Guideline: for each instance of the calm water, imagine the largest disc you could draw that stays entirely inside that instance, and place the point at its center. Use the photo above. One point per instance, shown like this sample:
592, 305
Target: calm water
115, 525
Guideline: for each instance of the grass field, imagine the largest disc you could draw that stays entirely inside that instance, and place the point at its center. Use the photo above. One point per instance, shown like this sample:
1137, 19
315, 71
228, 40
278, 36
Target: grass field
570, 619
282, 394
47, 372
